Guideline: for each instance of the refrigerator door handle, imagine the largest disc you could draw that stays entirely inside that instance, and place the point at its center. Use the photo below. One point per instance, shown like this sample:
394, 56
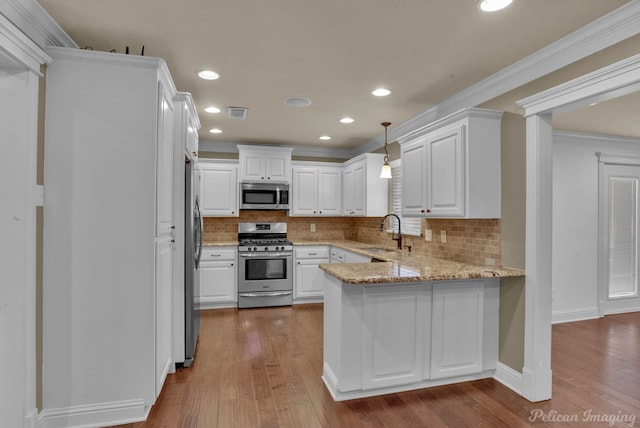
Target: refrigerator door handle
201, 234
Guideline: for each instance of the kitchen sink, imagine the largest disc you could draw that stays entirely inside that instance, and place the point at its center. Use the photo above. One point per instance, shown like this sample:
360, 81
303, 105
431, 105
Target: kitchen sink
378, 250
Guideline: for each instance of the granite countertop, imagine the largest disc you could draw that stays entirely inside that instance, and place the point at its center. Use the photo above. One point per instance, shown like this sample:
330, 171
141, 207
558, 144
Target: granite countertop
398, 266
221, 244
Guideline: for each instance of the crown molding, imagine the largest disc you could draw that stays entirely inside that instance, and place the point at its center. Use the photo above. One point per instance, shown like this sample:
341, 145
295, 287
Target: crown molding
602, 33
573, 137
609, 82
36, 23
17, 50
308, 151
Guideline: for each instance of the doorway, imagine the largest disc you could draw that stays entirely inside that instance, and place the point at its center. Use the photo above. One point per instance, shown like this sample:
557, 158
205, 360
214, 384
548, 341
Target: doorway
619, 180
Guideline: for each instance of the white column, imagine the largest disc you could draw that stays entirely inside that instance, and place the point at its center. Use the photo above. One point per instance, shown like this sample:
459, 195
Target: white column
536, 373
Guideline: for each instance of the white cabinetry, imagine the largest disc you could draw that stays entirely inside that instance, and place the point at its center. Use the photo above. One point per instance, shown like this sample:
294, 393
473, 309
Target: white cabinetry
316, 190
451, 168
394, 344
107, 235
364, 193
219, 193
308, 280
382, 338
457, 329
218, 277
265, 163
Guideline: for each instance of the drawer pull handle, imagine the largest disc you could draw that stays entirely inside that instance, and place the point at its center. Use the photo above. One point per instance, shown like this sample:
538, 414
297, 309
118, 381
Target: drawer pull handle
216, 255
312, 254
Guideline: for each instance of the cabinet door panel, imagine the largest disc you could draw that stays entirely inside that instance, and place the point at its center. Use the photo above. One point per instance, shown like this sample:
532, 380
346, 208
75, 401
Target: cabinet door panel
457, 329
218, 282
309, 279
164, 276
277, 168
219, 192
253, 166
446, 173
414, 179
329, 191
393, 344
164, 171
304, 191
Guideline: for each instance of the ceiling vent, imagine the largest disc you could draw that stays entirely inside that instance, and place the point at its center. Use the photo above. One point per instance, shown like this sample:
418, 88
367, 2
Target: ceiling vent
237, 113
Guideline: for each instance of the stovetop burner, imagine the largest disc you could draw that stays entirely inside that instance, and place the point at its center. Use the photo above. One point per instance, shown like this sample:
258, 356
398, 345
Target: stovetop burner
259, 241
263, 237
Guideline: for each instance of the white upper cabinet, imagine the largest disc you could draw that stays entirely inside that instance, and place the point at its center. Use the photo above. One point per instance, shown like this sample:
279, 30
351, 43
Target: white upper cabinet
219, 192
364, 193
451, 168
265, 164
317, 190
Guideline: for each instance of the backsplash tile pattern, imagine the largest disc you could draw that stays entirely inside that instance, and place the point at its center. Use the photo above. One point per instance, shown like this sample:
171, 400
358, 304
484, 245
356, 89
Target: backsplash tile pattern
471, 241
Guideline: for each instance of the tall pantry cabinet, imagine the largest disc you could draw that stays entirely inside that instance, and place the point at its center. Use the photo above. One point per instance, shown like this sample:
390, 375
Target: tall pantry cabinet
108, 232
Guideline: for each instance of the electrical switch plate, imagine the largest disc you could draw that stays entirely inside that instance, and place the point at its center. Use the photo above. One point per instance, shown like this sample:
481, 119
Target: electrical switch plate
443, 236
313, 227
428, 235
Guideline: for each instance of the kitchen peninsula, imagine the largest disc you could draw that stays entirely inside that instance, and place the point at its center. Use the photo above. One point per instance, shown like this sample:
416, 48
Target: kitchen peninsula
408, 322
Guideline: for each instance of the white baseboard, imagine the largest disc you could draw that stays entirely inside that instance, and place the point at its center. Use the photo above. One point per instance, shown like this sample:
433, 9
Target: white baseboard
308, 300
509, 377
574, 315
210, 305
622, 310
95, 415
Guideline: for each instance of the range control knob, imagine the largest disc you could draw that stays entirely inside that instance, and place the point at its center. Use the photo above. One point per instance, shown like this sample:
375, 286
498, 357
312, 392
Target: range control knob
255, 248
266, 248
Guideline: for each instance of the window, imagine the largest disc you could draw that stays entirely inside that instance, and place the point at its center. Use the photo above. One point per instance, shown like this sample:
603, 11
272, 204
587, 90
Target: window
410, 225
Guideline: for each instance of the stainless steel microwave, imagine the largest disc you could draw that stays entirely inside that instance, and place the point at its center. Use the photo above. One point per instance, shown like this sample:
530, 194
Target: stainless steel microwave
264, 196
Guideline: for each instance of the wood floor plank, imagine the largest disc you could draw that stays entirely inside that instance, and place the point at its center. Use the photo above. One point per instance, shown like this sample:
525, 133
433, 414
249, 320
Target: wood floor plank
262, 368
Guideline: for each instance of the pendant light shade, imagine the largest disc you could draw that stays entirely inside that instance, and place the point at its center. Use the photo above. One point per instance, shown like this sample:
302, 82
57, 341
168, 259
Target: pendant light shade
386, 168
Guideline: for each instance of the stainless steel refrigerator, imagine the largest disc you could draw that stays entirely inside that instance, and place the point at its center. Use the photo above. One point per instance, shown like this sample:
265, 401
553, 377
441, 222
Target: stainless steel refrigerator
192, 252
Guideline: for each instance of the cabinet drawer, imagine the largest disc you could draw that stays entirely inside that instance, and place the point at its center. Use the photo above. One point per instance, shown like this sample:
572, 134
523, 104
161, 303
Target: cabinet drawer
314, 252
218, 253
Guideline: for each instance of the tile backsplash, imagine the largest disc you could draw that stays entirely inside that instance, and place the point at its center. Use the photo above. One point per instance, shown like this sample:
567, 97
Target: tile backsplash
472, 241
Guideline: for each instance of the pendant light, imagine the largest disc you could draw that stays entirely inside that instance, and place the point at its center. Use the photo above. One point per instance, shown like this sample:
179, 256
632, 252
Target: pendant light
386, 168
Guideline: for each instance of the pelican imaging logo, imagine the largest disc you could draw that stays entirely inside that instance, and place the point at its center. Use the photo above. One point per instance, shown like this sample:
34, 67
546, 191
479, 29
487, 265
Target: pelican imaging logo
588, 416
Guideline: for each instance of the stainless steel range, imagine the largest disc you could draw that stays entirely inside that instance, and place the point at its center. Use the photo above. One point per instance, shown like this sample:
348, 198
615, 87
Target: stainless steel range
265, 265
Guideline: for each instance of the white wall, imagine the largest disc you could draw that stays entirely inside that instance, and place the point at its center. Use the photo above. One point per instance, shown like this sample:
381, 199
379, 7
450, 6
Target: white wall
575, 221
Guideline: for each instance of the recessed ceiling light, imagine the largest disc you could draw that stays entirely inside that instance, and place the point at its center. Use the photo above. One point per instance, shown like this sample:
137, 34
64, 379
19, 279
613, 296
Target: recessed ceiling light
208, 75
297, 102
381, 92
216, 131
493, 5
325, 137
212, 109
346, 120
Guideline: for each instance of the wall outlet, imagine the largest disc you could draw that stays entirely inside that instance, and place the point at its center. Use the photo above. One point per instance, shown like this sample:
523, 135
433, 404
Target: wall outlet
313, 227
428, 235
443, 236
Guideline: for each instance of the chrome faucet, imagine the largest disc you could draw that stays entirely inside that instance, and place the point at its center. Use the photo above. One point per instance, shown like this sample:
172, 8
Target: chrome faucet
399, 238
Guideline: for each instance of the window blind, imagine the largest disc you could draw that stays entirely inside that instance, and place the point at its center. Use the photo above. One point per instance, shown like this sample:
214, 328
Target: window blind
410, 225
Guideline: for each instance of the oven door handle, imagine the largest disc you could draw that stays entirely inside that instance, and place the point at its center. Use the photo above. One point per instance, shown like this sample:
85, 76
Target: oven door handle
265, 254
266, 294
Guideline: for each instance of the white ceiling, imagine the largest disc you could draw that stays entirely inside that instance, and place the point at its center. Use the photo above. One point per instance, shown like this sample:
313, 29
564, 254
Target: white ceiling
332, 52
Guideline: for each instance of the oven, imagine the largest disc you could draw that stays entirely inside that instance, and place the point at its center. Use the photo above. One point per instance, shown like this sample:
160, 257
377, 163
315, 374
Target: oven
265, 265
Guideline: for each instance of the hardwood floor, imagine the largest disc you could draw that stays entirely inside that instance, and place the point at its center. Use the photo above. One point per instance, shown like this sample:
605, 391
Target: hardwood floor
262, 368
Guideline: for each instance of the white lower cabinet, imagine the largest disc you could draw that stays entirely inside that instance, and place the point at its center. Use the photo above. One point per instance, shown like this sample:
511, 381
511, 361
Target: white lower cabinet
457, 329
218, 278
394, 343
382, 338
308, 279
